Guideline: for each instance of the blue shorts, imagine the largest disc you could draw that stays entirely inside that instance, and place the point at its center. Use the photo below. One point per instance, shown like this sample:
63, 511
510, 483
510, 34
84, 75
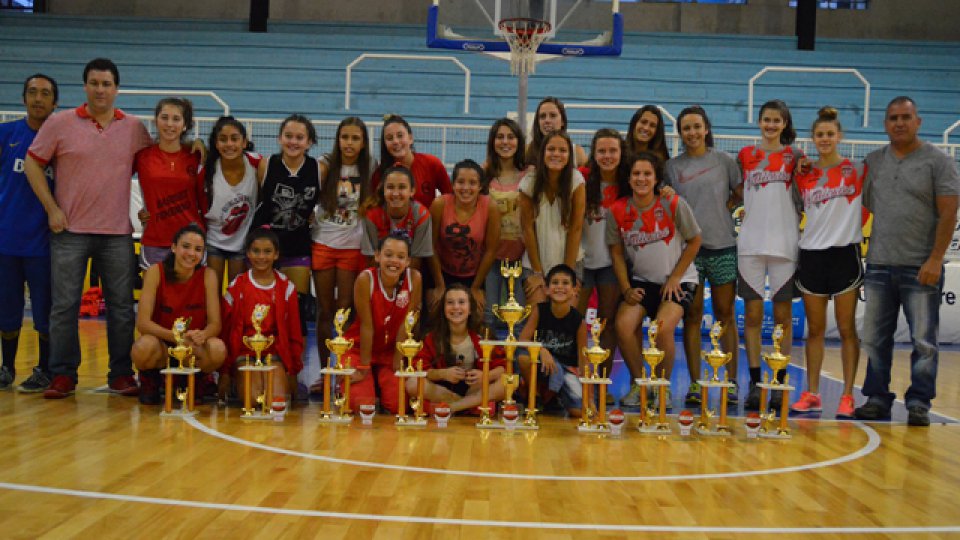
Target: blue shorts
568, 387
14, 272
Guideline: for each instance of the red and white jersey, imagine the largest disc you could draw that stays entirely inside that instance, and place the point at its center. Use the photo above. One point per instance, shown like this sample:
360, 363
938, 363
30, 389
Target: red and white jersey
771, 224
653, 237
387, 311
832, 200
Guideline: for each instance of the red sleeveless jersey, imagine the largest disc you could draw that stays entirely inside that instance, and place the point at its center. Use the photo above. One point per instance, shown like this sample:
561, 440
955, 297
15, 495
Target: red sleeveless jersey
187, 299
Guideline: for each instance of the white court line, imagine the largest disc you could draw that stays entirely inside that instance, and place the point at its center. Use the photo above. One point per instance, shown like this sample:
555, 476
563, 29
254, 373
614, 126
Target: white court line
873, 442
471, 522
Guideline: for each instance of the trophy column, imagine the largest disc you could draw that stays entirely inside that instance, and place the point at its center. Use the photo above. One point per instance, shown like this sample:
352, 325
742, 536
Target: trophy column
258, 343
716, 359
337, 346
182, 353
595, 421
653, 357
409, 348
777, 362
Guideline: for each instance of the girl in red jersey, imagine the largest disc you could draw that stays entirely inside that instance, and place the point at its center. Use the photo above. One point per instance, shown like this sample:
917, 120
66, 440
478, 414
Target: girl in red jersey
382, 297
466, 232
167, 171
262, 284
451, 354
604, 172
179, 287
396, 148
551, 116
646, 133
392, 210
337, 230
767, 244
231, 182
830, 267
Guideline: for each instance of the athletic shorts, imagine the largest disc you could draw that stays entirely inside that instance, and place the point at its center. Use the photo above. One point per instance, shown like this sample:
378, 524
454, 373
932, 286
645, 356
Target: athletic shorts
592, 277
299, 261
326, 258
755, 271
718, 266
831, 271
651, 296
224, 254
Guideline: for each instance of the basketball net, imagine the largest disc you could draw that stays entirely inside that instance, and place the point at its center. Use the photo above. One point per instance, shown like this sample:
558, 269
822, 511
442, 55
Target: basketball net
524, 36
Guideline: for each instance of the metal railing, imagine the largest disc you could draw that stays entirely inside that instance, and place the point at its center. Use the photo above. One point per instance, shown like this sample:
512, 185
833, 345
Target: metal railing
365, 56
792, 69
673, 120
949, 130
179, 93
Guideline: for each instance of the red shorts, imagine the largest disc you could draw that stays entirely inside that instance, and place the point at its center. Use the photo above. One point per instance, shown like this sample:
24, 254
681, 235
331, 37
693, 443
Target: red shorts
380, 381
325, 258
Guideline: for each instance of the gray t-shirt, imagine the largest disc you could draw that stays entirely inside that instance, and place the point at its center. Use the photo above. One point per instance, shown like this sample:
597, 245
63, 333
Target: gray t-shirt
902, 194
706, 183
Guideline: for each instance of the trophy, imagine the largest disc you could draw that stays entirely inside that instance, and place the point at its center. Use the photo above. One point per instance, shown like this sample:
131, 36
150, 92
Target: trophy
183, 354
595, 421
337, 346
653, 356
409, 348
441, 413
716, 359
776, 361
512, 312
258, 343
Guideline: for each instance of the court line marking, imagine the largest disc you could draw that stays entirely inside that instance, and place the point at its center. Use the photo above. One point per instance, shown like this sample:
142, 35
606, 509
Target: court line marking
873, 442
469, 522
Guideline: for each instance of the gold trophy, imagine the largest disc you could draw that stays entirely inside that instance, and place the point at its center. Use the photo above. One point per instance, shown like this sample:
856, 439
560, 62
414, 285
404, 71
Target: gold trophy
409, 348
337, 346
185, 358
654, 357
258, 343
776, 361
512, 312
595, 421
716, 359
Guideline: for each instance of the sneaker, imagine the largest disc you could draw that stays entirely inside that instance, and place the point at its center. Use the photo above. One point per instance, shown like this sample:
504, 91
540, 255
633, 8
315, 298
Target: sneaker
150, 383
917, 416
808, 402
871, 410
38, 381
845, 409
61, 387
632, 399
693, 394
753, 398
733, 395
124, 386
7, 376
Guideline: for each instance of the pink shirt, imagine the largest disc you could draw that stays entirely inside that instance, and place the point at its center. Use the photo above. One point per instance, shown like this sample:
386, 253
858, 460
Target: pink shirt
461, 244
92, 166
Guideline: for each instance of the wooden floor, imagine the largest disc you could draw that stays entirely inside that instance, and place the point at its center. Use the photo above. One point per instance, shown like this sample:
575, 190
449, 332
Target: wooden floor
100, 466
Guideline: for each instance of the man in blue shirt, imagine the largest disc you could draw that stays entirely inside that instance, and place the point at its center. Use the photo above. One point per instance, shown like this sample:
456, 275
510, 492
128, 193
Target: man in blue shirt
25, 244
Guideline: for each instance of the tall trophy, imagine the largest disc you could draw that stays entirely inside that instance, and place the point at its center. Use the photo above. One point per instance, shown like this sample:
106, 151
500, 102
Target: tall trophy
716, 359
595, 420
258, 343
337, 346
510, 313
776, 361
186, 366
653, 357
409, 348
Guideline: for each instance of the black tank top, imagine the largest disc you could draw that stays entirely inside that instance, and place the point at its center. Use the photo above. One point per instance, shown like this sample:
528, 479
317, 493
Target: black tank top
287, 200
559, 336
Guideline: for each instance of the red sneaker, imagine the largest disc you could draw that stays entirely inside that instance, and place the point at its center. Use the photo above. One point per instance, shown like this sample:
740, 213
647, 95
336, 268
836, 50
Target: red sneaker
61, 387
846, 407
125, 386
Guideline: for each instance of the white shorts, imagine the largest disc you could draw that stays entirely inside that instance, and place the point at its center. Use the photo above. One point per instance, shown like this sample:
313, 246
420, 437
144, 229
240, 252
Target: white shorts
756, 271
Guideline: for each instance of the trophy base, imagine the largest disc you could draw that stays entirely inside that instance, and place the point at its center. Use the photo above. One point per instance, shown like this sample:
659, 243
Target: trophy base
409, 421
258, 415
254, 367
776, 434
595, 380
178, 413
717, 432
655, 429
180, 371
594, 428
652, 382
336, 419
401, 374
769, 386
337, 371
710, 383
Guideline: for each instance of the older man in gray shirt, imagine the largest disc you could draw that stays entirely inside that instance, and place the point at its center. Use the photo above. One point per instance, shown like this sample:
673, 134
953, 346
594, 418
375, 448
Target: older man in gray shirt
912, 189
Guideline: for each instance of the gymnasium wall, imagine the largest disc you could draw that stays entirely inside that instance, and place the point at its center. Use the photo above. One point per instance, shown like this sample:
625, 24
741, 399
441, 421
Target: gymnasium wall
925, 20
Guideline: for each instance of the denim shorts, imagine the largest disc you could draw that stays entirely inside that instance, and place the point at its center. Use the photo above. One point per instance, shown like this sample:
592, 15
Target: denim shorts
224, 254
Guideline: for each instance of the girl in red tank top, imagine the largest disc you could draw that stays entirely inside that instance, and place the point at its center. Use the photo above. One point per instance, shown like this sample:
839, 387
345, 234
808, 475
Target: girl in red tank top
179, 287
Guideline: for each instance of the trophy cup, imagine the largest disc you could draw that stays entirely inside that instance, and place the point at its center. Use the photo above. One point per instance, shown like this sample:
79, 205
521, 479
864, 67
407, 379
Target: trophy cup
653, 356
716, 359
409, 348
616, 418
337, 346
512, 312
367, 412
441, 413
183, 354
776, 361
595, 421
258, 343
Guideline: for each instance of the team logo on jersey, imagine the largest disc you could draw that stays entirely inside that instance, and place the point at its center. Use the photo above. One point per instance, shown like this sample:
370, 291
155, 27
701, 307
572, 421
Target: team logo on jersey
403, 298
846, 170
787, 158
658, 214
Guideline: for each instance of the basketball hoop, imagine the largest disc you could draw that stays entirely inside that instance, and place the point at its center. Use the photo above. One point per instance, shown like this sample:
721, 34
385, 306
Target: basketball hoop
524, 37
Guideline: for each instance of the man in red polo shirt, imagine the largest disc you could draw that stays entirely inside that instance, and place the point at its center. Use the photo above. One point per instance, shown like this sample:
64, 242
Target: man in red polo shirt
91, 149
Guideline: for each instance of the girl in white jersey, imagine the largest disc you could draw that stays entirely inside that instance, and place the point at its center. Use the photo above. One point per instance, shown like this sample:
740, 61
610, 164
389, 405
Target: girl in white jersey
231, 182
830, 266
767, 245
